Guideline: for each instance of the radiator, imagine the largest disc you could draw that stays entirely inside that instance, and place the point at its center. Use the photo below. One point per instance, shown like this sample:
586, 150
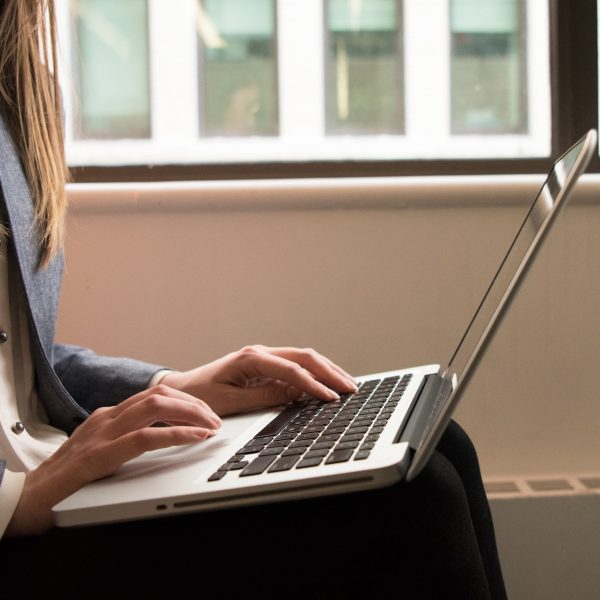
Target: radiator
548, 533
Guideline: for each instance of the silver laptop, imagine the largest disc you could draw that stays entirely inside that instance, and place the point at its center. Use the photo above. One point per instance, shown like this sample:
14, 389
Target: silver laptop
383, 433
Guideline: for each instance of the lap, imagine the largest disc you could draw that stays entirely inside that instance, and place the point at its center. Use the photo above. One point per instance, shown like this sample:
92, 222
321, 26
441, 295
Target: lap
417, 537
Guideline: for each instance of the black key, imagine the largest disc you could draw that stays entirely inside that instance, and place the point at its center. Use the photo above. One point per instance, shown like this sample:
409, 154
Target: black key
284, 464
358, 429
332, 430
309, 462
238, 465
281, 420
293, 452
249, 450
339, 456
330, 437
227, 466
346, 446
217, 475
301, 444
312, 428
362, 454
352, 437
367, 446
317, 453
308, 436
278, 445
257, 466
265, 439
322, 445
271, 452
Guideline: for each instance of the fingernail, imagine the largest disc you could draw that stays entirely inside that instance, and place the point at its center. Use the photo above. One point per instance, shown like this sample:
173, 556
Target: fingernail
203, 434
334, 395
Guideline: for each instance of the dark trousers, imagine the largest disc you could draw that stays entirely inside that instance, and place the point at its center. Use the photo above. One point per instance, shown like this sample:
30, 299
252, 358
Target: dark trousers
431, 538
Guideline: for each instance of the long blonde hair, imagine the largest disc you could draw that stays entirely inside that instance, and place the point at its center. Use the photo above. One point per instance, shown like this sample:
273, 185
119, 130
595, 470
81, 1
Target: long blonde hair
31, 104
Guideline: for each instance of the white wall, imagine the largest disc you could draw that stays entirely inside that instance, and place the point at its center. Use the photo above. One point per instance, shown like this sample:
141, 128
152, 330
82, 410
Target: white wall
377, 274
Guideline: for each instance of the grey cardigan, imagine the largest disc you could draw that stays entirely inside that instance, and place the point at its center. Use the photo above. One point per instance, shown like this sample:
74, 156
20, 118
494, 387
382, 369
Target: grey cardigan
70, 381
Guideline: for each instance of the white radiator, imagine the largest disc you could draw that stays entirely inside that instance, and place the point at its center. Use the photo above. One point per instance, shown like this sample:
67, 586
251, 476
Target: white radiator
548, 532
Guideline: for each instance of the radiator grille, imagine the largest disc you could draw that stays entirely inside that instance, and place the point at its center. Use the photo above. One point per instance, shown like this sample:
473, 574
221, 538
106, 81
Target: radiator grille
530, 485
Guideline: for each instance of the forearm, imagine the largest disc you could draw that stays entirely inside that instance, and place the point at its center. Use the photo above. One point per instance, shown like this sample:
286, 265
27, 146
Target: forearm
94, 380
11, 488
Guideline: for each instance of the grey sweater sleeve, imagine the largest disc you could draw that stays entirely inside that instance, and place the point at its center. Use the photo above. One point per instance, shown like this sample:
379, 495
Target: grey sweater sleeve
94, 380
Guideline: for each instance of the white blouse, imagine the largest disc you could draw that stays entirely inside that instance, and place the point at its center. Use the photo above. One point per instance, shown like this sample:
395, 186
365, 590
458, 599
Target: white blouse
26, 438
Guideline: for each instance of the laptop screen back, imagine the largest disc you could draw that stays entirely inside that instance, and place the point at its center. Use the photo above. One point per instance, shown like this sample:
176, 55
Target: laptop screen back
552, 195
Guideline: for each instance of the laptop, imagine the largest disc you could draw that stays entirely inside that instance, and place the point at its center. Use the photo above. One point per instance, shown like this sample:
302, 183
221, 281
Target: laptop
381, 434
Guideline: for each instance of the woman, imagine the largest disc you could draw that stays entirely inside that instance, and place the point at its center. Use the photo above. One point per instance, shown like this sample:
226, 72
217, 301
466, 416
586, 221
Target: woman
69, 417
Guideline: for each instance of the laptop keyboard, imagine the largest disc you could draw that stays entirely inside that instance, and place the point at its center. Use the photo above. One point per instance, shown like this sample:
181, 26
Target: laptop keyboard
311, 432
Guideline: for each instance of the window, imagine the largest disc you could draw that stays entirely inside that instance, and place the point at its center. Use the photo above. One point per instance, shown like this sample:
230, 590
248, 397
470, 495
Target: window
385, 86
489, 70
239, 67
364, 82
110, 68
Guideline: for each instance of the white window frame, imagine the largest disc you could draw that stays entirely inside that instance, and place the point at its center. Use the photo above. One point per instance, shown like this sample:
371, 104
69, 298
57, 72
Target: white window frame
301, 37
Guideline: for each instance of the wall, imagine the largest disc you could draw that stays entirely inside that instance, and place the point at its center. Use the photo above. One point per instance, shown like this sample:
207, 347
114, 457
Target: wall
377, 274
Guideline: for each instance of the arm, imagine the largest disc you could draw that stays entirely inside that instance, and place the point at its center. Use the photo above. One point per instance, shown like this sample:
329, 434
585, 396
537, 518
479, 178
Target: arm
260, 376
253, 377
11, 486
94, 380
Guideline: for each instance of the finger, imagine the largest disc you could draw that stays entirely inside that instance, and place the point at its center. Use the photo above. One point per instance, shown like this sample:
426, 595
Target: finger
290, 372
146, 439
271, 393
155, 407
320, 366
163, 390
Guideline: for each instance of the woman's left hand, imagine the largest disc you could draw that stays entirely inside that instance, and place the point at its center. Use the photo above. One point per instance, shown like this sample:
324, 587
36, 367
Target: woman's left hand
260, 376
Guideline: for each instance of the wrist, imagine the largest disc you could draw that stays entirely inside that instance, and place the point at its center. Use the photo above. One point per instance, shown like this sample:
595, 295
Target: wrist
158, 377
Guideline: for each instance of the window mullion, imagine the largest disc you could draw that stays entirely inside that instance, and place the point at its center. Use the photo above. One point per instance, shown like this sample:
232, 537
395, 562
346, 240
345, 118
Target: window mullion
300, 34
538, 77
427, 74
66, 72
174, 72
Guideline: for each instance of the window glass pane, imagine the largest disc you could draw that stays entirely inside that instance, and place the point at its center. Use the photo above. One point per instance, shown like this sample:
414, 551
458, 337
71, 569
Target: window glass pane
245, 81
488, 67
364, 67
111, 50
239, 75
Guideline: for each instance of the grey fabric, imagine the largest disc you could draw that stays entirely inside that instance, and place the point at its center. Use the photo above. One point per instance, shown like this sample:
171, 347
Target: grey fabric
71, 381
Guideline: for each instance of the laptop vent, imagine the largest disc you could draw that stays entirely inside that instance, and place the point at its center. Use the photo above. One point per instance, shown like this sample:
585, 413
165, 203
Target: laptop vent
536, 485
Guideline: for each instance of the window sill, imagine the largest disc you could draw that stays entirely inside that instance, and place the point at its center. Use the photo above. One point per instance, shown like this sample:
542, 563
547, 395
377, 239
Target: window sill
359, 193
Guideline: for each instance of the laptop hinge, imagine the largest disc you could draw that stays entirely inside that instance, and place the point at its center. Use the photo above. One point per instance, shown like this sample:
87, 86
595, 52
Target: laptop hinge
434, 389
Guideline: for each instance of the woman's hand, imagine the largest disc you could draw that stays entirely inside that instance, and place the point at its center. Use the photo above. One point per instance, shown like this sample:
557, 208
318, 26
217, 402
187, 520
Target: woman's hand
108, 438
259, 376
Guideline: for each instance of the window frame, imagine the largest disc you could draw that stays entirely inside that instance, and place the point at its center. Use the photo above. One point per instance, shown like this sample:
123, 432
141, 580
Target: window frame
574, 110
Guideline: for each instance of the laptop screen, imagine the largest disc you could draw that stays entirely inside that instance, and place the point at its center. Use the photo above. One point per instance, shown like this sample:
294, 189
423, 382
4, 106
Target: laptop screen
533, 224
513, 266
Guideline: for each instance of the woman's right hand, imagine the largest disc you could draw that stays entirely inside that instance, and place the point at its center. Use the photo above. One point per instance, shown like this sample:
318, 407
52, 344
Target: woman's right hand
109, 437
